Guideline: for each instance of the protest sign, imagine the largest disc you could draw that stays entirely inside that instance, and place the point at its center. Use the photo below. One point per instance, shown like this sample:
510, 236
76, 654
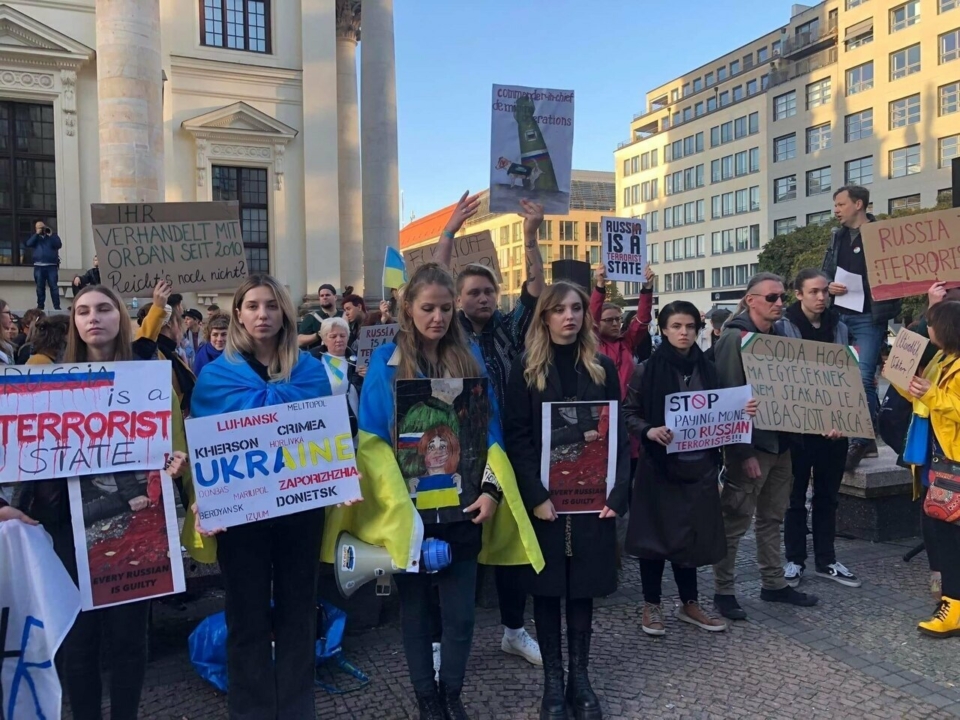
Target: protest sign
38, 604
623, 250
125, 536
274, 461
442, 427
370, 339
704, 419
906, 255
531, 148
904, 358
806, 387
192, 245
83, 418
467, 250
578, 462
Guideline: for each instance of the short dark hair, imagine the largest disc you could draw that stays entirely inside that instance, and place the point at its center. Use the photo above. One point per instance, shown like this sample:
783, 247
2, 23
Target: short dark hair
213, 308
944, 318
354, 300
679, 307
477, 270
807, 274
856, 192
327, 286
195, 314
611, 306
49, 336
175, 299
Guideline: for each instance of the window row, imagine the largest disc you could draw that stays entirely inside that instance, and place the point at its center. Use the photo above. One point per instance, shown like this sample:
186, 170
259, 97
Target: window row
736, 165
690, 280
818, 137
644, 161
678, 149
735, 203
902, 63
684, 248
732, 275
735, 240
652, 220
683, 180
641, 192
735, 129
686, 214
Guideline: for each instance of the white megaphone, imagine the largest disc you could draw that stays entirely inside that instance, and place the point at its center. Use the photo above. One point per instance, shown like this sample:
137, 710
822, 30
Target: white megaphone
356, 563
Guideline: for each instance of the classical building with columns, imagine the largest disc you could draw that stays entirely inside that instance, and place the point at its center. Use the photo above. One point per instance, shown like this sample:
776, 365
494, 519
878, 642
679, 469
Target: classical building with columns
196, 100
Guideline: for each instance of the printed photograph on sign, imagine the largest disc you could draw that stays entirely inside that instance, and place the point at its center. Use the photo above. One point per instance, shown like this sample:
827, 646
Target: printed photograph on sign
370, 339
623, 249
579, 457
473, 249
126, 537
531, 148
441, 428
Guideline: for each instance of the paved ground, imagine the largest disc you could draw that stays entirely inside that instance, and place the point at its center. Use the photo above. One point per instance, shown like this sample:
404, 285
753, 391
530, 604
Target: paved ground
856, 655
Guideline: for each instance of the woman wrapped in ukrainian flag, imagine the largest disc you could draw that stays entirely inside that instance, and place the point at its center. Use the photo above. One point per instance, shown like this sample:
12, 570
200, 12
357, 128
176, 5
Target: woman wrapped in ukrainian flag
422, 495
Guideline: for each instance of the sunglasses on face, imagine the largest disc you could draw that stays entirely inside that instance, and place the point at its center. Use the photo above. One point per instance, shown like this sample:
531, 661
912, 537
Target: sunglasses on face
773, 297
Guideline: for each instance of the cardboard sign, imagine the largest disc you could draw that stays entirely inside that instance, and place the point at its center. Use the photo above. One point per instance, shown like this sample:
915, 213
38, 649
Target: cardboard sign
84, 419
467, 250
623, 250
126, 538
192, 245
578, 460
531, 148
906, 255
371, 338
705, 419
805, 387
266, 462
904, 358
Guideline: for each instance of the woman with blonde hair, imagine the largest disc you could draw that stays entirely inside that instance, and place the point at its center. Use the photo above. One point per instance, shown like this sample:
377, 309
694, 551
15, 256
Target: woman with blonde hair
276, 558
562, 365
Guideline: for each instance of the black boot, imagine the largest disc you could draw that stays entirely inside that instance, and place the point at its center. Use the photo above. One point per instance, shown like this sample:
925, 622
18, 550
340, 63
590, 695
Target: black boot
553, 706
430, 707
586, 705
452, 705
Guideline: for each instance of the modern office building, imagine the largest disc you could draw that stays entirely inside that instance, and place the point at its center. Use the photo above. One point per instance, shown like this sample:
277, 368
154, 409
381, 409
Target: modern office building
753, 143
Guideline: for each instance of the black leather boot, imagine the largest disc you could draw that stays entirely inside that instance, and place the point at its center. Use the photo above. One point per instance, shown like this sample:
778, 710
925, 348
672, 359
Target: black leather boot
553, 705
586, 705
452, 705
430, 707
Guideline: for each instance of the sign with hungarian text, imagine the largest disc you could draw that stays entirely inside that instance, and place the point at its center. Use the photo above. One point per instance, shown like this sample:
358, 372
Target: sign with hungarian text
623, 250
704, 419
804, 386
906, 255
267, 462
84, 419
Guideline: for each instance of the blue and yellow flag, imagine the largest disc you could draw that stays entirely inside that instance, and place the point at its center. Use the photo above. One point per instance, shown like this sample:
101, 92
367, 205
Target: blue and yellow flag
394, 269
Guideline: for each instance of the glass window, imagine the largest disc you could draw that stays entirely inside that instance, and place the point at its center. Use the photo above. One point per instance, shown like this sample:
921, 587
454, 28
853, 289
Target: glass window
249, 187
569, 231
708, 79
754, 159
653, 252
743, 239
754, 198
865, 37
711, 104
738, 93
698, 85
905, 111
910, 202
853, 3
785, 188
776, 48
819, 218
948, 149
721, 74
644, 161
819, 137
728, 276
654, 221
701, 210
740, 127
545, 232
699, 141
785, 147
948, 5
905, 62
903, 16
698, 109
949, 98
724, 98
905, 161
715, 136
686, 89
754, 120
785, 105
752, 87
668, 282
505, 235
742, 274
715, 171
715, 207
743, 200
858, 125
784, 226
734, 67
763, 54
726, 164
726, 132
818, 181
741, 163
687, 114
701, 276
236, 24
818, 93
860, 78
653, 158
949, 46
859, 171
626, 167
727, 204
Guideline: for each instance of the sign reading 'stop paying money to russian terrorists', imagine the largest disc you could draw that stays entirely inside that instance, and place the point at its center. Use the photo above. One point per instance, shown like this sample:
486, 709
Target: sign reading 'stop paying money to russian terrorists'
623, 249
805, 387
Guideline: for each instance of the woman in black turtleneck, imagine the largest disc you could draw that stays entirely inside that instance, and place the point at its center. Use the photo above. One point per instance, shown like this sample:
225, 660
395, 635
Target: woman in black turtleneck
562, 365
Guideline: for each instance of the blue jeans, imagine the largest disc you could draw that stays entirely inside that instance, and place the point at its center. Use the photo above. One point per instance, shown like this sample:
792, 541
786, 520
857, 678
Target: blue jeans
868, 337
46, 276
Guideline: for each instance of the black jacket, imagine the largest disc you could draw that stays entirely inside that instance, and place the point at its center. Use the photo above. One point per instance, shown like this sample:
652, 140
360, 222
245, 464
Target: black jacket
90, 277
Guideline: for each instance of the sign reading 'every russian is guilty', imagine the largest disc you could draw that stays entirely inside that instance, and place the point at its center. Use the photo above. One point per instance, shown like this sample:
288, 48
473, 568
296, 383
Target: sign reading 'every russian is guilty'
266, 462
624, 248
805, 387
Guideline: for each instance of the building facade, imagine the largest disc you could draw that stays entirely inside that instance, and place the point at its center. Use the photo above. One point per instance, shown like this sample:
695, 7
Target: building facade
752, 144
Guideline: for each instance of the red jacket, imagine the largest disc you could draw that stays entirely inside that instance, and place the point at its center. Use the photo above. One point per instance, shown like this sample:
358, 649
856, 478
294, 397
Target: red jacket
621, 349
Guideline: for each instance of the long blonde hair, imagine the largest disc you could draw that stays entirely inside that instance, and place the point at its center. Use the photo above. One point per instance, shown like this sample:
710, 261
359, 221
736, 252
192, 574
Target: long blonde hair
239, 341
76, 350
453, 352
539, 349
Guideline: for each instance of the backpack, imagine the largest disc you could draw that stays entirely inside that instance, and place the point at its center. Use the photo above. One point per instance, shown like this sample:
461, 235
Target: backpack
893, 420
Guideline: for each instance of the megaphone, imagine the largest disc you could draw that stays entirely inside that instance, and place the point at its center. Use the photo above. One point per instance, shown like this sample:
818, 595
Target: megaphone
357, 563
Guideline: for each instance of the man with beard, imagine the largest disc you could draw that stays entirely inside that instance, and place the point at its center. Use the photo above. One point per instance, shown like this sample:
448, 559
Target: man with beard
308, 334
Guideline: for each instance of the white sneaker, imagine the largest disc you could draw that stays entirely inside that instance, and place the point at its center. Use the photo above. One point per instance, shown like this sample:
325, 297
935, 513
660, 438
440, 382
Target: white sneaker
838, 573
523, 645
793, 574
436, 662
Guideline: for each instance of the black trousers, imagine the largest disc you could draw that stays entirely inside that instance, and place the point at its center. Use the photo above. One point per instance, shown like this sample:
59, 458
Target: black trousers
825, 458
282, 554
457, 586
546, 614
651, 578
942, 542
510, 595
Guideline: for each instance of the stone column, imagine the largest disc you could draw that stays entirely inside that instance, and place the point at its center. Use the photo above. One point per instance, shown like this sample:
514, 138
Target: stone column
130, 104
378, 133
348, 146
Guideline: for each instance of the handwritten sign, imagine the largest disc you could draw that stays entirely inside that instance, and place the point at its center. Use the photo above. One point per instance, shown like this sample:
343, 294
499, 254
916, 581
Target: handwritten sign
256, 464
705, 419
904, 359
805, 387
370, 339
467, 250
84, 419
192, 245
624, 248
906, 255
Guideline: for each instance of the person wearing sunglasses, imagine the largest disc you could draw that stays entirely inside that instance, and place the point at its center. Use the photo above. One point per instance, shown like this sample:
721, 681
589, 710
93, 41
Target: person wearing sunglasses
759, 474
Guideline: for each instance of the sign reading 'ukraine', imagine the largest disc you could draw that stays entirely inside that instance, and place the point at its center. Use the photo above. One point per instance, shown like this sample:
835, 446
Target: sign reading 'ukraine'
266, 462
84, 419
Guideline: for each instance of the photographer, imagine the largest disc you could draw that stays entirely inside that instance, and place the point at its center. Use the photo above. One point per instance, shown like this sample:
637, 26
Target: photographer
45, 244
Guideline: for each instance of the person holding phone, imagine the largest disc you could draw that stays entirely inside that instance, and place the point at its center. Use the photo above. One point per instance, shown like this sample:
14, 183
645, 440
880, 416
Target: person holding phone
45, 244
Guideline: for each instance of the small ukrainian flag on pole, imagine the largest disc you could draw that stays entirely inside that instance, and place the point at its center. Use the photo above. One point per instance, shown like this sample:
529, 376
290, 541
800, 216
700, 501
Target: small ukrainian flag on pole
394, 270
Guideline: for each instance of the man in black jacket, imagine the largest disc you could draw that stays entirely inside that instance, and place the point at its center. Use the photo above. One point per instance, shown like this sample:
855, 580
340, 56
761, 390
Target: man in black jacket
46, 245
90, 277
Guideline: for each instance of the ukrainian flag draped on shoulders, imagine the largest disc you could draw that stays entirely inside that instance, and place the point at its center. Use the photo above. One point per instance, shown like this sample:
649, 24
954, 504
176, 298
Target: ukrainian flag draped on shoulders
387, 516
227, 385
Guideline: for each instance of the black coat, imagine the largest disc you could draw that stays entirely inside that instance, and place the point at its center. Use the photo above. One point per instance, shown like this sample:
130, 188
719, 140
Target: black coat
592, 569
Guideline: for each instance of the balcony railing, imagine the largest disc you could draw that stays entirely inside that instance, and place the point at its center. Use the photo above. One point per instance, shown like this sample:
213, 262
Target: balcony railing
803, 67
803, 40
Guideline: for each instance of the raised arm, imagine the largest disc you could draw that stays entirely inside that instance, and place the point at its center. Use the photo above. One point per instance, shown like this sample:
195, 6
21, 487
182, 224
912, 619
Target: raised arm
532, 214
466, 208
641, 321
598, 296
